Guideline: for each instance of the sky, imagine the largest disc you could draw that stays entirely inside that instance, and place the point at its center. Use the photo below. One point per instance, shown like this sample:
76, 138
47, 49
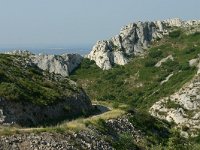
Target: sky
80, 23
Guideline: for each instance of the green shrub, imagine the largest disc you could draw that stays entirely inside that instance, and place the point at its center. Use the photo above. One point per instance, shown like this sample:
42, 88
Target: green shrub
29, 83
172, 104
175, 34
86, 63
125, 142
191, 50
115, 105
196, 34
177, 142
150, 63
155, 54
184, 66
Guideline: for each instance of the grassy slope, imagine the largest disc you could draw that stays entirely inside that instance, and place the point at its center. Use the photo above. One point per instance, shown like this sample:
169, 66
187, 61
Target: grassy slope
138, 83
21, 82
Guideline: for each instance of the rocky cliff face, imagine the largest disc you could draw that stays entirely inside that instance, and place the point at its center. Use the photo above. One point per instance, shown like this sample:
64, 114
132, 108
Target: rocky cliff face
133, 39
28, 114
59, 64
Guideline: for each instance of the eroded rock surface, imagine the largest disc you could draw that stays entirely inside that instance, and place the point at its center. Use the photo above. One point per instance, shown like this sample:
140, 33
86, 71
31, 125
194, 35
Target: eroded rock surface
28, 114
183, 107
90, 139
133, 39
60, 64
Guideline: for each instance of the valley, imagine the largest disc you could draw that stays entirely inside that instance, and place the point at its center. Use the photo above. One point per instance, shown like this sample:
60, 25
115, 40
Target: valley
138, 90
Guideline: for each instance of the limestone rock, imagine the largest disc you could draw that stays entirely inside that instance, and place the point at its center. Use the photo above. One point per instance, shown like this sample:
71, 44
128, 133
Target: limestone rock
29, 114
170, 57
194, 62
19, 52
90, 138
166, 79
60, 64
133, 39
182, 107
174, 22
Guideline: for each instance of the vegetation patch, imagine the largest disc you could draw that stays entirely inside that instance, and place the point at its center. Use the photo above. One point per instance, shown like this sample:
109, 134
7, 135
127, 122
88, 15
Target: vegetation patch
22, 82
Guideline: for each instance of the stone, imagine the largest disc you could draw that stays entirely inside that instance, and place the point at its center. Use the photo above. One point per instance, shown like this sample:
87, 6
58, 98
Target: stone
28, 114
194, 62
166, 79
59, 64
133, 40
90, 138
187, 106
170, 57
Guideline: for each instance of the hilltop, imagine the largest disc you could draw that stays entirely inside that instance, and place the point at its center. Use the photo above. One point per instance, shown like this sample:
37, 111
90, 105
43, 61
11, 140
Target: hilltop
134, 39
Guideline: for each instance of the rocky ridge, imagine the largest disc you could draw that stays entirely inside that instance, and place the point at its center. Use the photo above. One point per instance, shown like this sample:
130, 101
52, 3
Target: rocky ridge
133, 40
59, 64
182, 107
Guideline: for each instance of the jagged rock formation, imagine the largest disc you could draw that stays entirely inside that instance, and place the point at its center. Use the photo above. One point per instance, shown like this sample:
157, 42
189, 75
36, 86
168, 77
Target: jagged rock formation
60, 64
183, 107
133, 39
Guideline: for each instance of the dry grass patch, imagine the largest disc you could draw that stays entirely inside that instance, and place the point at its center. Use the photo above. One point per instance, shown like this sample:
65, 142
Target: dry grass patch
74, 125
81, 123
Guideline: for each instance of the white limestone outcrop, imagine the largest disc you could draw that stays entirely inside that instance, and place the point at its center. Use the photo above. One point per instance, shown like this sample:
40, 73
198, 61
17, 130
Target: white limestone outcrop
170, 57
183, 107
133, 39
60, 64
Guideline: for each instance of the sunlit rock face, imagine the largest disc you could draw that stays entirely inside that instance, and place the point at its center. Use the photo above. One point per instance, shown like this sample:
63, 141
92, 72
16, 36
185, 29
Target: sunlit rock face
133, 39
182, 107
60, 64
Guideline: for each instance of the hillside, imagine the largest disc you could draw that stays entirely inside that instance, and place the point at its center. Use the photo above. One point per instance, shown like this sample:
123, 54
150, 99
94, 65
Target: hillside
134, 39
167, 66
144, 99
139, 82
30, 95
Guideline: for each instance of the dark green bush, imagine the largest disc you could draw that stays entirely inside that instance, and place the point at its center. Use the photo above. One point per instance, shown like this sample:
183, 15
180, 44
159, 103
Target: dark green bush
196, 34
175, 34
125, 142
150, 63
185, 66
155, 54
86, 63
191, 50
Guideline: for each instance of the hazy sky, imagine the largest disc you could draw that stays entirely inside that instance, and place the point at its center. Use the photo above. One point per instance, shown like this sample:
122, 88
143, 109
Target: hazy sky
80, 23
